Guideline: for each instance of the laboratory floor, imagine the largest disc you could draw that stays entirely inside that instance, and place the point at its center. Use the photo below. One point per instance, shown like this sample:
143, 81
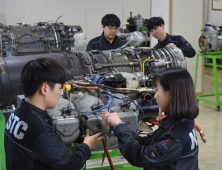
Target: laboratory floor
209, 120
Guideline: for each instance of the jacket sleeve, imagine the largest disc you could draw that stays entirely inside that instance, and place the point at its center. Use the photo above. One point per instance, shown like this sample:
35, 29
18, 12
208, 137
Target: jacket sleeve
145, 140
158, 154
186, 48
50, 150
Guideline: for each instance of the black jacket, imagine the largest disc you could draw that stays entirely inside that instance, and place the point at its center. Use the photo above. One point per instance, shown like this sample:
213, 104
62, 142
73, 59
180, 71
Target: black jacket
32, 144
173, 146
101, 43
180, 42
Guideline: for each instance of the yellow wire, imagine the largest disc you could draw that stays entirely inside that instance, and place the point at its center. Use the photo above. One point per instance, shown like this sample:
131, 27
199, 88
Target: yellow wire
144, 63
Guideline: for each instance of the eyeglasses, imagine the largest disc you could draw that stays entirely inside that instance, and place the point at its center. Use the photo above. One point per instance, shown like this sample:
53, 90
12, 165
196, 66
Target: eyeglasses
113, 28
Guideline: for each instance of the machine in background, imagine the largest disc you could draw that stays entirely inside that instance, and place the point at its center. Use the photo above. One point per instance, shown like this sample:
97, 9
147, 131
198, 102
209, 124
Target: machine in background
136, 31
40, 38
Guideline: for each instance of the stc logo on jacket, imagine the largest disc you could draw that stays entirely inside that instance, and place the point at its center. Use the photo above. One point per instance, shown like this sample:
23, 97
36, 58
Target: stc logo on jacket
16, 127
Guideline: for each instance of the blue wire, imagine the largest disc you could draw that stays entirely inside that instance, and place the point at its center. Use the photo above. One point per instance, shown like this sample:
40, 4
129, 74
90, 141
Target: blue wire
109, 104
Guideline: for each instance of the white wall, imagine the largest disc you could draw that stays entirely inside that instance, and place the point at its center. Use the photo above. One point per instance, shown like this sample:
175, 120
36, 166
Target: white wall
85, 13
215, 16
187, 20
160, 8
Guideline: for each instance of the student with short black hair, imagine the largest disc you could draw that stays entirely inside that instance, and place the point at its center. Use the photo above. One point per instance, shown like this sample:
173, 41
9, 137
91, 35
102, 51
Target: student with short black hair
174, 144
109, 39
31, 143
156, 27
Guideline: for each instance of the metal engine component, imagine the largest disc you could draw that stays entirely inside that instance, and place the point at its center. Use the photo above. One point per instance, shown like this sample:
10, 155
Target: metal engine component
84, 112
67, 127
135, 31
135, 65
118, 81
137, 38
135, 23
211, 39
42, 37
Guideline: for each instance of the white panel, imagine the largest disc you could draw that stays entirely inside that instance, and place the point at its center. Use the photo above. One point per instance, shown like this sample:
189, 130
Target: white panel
96, 10
72, 11
160, 8
29, 11
214, 16
141, 7
189, 25
2, 12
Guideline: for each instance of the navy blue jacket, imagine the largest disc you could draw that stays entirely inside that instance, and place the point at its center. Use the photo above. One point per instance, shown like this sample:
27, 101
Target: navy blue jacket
173, 146
31, 143
101, 43
180, 42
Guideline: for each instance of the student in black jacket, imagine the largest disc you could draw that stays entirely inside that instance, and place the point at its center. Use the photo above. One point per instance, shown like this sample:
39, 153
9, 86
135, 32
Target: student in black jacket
109, 39
156, 27
31, 143
173, 146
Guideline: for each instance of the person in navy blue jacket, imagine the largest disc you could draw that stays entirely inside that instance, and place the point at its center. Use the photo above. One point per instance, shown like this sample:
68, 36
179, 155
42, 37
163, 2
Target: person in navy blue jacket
109, 39
31, 142
173, 146
156, 27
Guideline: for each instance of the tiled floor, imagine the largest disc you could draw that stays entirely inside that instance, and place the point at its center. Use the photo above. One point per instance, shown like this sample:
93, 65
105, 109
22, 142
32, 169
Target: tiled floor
210, 121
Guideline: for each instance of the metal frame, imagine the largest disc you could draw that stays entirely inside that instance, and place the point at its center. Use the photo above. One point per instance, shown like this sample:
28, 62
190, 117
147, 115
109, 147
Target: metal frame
214, 56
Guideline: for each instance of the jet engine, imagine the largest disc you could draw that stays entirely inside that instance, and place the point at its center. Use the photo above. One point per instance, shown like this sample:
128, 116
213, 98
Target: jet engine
116, 81
136, 31
42, 37
211, 39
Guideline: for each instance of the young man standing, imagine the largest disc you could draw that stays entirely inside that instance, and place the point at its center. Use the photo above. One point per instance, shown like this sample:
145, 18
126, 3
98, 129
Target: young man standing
109, 39
156, 27
31, 143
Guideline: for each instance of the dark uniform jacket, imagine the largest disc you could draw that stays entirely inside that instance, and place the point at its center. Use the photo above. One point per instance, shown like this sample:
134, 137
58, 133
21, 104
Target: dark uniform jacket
101, 43
180, 42
173, 146
32, 144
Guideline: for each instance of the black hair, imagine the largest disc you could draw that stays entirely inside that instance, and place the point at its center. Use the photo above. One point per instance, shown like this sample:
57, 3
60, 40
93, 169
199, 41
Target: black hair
183, 102
110, 20
38, 71
154, 22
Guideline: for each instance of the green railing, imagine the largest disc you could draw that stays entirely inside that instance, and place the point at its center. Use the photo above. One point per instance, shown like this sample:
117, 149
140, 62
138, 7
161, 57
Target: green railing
213, 56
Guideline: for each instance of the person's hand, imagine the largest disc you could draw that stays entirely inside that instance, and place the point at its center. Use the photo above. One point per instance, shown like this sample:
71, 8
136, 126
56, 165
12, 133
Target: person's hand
171, 45
105, 115
93, 140
111, 119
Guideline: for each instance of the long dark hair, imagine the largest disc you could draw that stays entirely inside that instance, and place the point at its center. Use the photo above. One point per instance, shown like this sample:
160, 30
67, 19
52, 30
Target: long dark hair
183, 102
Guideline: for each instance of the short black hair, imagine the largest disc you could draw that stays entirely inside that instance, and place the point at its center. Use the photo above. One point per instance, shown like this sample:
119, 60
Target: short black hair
38, 71
183, 101
154, 22
110, 20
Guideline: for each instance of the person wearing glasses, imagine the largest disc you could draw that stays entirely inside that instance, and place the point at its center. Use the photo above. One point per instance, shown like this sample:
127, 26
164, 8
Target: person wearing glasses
109, 39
